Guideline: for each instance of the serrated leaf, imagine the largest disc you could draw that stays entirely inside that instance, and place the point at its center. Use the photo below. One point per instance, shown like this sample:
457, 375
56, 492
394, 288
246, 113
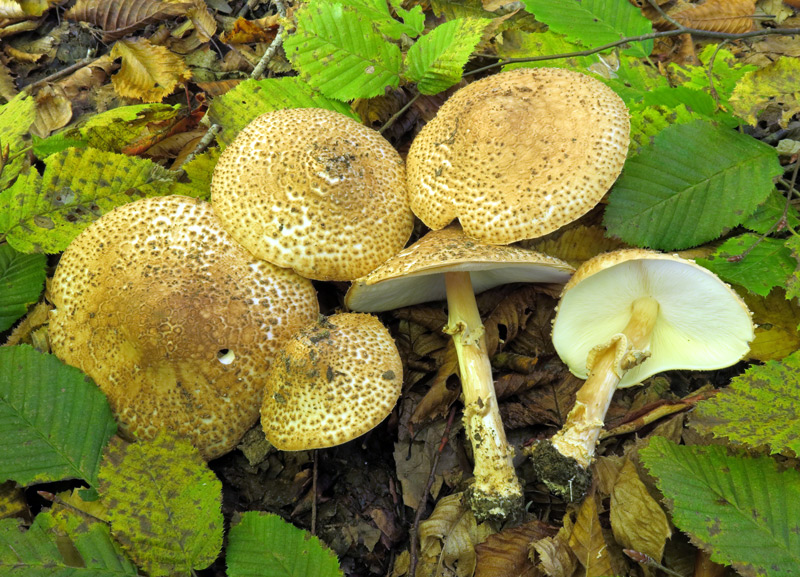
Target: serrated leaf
54, 422
264, 544
436, 61
149, 72
769, 213
773, 83
115, 129
694, 181
16, 118
378, 12
44, 214
634, 79
120, 18
21, 283
767, 264
45, 550
759, 408
44, 147
793, 283
251, 98
337, 50
594, 22
199, 171
741, 510
725, 73
588, 543
180, 528
521, 44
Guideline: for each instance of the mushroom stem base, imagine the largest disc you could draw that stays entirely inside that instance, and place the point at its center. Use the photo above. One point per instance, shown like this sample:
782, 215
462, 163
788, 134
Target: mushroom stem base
496, 492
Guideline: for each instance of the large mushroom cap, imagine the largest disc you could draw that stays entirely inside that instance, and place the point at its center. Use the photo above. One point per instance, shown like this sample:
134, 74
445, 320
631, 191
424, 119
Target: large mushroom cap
173, 320
334, 381
702, 323
518, 154
416, 274
315, 191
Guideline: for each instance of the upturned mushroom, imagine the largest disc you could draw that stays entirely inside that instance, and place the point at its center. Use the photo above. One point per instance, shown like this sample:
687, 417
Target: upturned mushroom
518, 154
625, 316
448, 263
173, 320
333, 381
315, 191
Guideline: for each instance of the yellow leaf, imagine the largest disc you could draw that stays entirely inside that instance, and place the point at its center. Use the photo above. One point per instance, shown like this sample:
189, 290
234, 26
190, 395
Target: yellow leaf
588, 543
148, 72
776, 325
505, 554
776, 82
12, 501
637, 520
53, 110
576, 245
556, 559
449, 536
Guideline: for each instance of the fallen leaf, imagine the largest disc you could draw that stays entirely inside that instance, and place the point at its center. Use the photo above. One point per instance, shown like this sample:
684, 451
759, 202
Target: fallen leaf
731, 16
53, 110
556, 559
588, 543
505, 554
776, 322
637, 520
149, 72
118, 18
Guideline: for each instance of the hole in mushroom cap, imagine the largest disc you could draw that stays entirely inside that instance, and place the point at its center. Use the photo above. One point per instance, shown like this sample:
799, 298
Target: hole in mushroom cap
225, 356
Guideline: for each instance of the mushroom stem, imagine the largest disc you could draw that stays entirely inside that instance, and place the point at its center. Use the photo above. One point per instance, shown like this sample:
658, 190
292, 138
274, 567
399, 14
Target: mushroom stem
608, 363
496, 492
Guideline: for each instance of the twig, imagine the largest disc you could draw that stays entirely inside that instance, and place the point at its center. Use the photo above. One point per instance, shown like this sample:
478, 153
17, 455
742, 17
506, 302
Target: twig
414, 532
663, 14
640, 38
399, 113
648, 561
710, 73
33, 86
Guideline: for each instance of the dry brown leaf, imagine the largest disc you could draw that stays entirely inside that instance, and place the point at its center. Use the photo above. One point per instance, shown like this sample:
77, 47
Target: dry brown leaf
53, 110
448, 539
555, 557
776, 325
8, 89
535, 340
576, 245
588, 543
730, 16
505, 554
148, 72
118, 18
247, 32
509, 317
218, 87
638, 521
444, 390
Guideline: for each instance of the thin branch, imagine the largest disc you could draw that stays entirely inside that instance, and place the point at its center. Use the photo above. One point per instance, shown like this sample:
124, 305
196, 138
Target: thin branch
33, 86
399, 113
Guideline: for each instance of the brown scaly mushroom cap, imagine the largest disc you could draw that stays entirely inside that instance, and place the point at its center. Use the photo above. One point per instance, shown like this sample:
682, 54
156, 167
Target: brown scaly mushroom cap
315, 191
518, 154
173, 320
333, 381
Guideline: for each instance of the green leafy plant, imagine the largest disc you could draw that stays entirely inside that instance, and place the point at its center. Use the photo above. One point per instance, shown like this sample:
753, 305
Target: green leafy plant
21, 281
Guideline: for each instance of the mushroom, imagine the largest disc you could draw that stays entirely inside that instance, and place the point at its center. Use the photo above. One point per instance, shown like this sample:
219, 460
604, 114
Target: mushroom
623, 317
448, 263
333, 381
173, 320
315, 191
518, 154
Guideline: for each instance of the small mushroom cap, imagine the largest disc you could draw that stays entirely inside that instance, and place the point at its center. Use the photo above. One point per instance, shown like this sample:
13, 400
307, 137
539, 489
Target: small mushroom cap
315, 191
702, 323
416, 275
518, 154
173, 320
334, 381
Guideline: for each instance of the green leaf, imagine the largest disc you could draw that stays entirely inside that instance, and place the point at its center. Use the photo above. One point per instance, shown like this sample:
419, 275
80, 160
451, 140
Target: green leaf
54, 422
16, 118
766, 266
44, 147
436, 61
793, 284
769, 213
199, 171
378, 12
251, 98
115, 129
44, 214
634, 80
725, 73
337, 50
741, 510
180, 528
21, 282
520, 44
594, 22
759, 408
694, 181
774, 83
265, 544
47, 550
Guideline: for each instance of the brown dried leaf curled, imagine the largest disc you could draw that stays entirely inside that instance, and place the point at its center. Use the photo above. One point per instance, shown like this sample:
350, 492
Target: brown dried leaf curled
148, 72
730, 16
588, 543
118, 18
505, 554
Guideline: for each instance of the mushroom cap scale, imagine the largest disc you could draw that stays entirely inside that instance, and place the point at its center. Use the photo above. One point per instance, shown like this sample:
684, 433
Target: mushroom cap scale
173, 320
334, 380
518, 154
702, 323
315, 191
416, 274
